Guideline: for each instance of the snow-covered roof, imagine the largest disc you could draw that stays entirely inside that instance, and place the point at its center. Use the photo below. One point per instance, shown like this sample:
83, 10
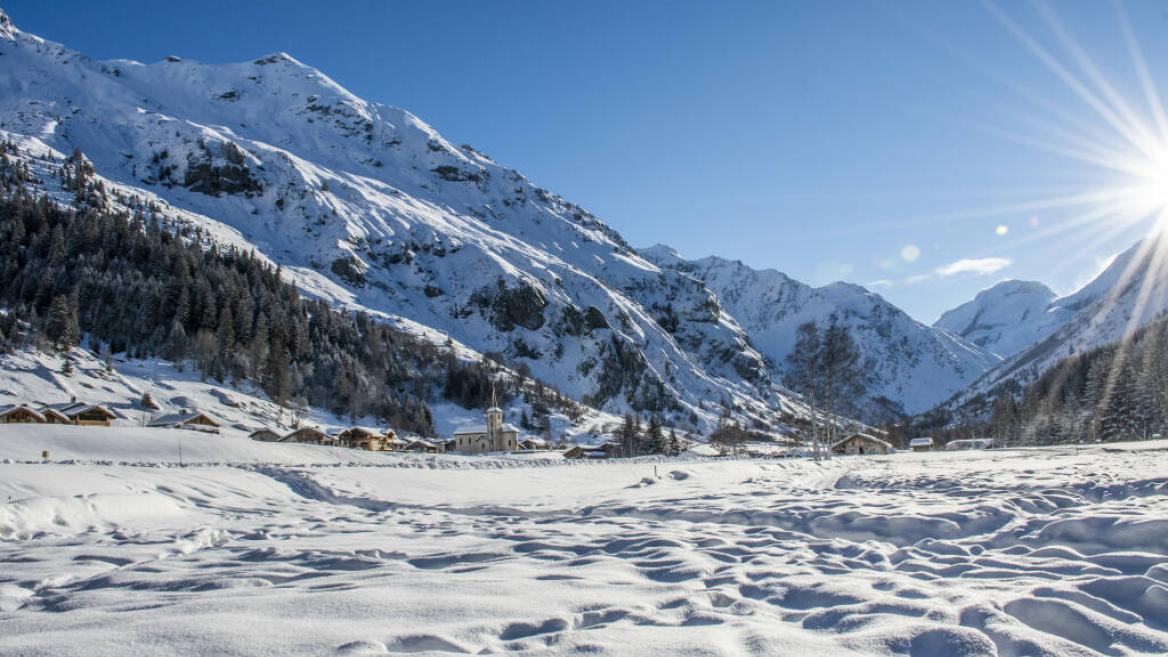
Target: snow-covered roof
75, 408
920, 442
971, 443
482, 428
8, 409
864, 436
359, 429
180, 418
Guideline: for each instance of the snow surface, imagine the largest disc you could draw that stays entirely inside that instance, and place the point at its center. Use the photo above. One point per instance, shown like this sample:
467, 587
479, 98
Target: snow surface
1014, 552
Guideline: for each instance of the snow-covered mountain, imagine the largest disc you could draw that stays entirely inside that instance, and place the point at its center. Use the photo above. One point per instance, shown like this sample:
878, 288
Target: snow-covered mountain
1129, 294
1007, 317
367, 206
909, 364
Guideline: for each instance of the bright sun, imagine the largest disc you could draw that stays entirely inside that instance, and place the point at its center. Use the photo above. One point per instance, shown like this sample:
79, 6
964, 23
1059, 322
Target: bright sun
1150, 192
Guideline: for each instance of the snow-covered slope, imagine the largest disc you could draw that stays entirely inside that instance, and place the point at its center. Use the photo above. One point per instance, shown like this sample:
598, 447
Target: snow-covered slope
1007, 318
369, 207
28, 376
1130, 293
910, 364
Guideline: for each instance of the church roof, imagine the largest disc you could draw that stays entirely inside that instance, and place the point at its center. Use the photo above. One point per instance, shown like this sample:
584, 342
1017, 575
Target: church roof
482, 428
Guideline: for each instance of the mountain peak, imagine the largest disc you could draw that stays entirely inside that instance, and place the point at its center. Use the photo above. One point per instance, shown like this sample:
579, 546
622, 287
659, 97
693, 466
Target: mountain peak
7, 29
1005, 318
278, 58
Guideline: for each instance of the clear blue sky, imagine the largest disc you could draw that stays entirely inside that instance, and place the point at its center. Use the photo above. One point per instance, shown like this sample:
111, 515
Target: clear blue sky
830, 140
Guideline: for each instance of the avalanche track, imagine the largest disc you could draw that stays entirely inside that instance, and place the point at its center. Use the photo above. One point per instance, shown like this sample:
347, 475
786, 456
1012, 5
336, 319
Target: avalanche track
1042, 552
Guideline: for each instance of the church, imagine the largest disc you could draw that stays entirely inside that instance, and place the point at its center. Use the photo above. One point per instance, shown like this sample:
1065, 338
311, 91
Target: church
495, 436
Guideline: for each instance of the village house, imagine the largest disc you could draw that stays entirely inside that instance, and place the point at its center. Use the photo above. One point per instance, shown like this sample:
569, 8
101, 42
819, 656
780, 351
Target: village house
393, 443
20, 415
574, 452
310, 436
362, 438
861, 443
531, 442
265, 435
494, 436
921, 444
192, 420
423, 445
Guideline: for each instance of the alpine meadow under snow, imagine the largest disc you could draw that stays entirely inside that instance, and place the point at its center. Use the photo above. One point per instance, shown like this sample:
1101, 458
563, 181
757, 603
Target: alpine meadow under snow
284, 549
711, 459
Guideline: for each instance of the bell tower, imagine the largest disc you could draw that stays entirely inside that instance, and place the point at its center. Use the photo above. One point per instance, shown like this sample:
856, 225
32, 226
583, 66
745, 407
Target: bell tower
495, 425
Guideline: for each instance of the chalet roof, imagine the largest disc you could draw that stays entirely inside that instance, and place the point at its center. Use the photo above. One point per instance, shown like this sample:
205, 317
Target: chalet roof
369, 431
863, 436
263, 431
8, 409
174, 419
920, 442
75, 408
308, 431
55, 413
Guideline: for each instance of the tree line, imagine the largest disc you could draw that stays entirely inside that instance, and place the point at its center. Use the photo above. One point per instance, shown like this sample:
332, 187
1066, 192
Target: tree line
1115, 392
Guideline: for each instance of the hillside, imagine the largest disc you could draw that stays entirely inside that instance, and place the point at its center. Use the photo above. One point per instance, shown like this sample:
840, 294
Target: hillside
367, 207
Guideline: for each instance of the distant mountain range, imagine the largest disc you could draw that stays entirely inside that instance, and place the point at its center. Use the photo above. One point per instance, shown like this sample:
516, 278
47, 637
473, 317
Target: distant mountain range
1033, 336
367, 207
911, 367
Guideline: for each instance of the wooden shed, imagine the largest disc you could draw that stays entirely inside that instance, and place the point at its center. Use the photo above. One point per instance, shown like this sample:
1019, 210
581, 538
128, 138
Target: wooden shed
861, 443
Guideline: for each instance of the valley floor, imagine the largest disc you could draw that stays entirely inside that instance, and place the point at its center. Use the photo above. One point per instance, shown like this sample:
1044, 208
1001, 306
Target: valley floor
1038, 552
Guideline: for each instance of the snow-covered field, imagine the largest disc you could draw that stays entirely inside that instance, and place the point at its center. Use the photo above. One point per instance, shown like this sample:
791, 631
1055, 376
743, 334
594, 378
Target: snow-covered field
293, 551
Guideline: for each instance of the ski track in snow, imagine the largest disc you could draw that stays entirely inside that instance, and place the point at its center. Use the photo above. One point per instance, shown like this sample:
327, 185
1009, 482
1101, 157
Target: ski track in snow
1040, 552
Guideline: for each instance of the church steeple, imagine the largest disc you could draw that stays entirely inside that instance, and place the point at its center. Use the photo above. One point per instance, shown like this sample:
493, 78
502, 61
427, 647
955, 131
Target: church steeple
495, 424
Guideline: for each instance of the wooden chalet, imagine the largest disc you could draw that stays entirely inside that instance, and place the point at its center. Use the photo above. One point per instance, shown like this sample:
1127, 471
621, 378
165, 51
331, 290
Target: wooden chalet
363, 438
861, 443
193, 420
310, 436
423, 445
21, 415
265, 435
53, 416
531, 442
83, 414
